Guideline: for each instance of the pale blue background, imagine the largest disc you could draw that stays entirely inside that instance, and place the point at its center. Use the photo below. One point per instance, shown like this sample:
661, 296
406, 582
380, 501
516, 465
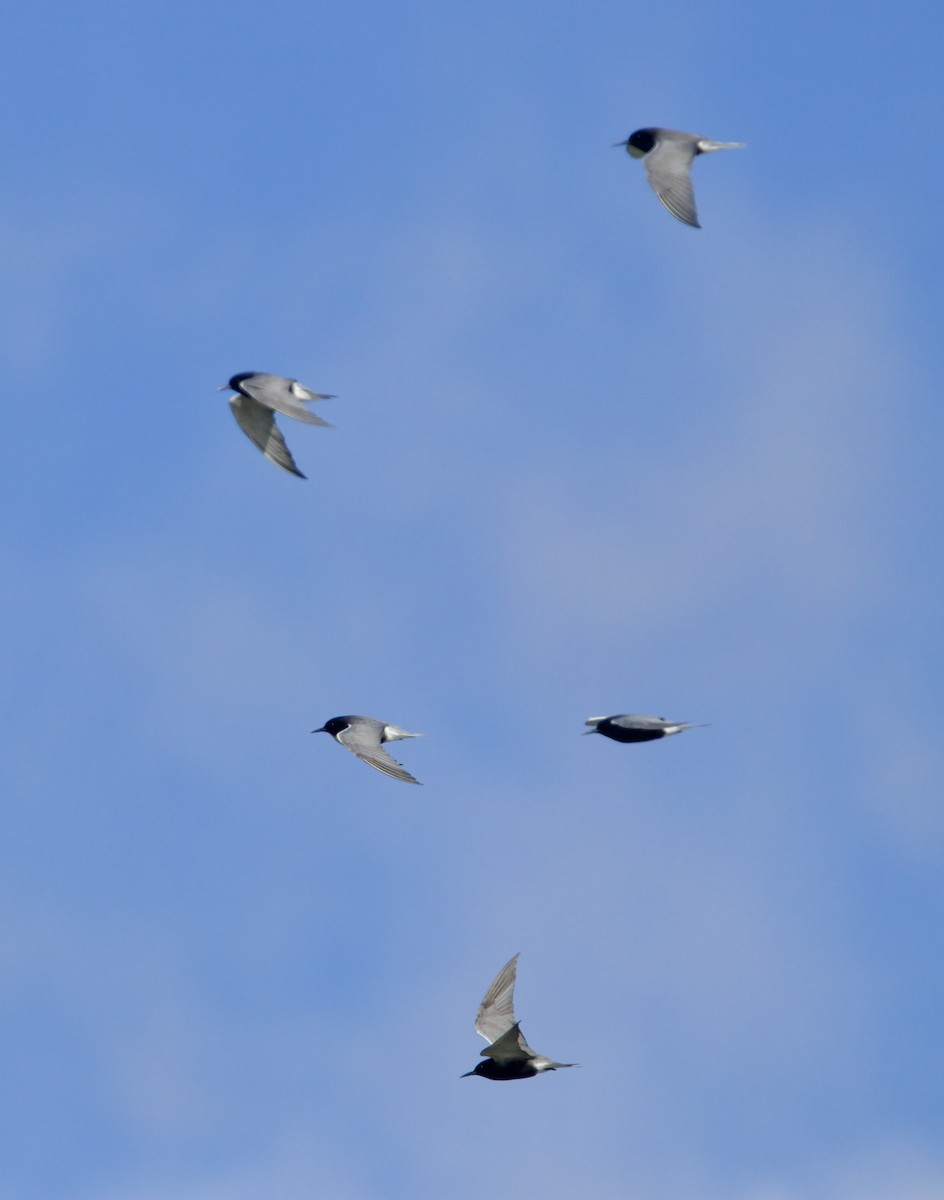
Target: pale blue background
587, 461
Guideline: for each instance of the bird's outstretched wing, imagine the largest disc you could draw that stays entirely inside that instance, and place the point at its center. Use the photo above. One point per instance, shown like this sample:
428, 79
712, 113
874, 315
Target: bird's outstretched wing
496, 1015
258, 423
363, 739
510, 1047
285, 396
668, 166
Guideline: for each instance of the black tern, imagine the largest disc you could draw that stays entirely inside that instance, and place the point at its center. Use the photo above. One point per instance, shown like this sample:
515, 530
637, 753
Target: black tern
630, 727
364, 736
668, 155
508, 1055
258, 398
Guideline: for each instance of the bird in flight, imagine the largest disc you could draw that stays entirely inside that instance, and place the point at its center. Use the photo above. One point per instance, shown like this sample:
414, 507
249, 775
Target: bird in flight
631, 727
507, 1055
258, 398
667, 155
364, 736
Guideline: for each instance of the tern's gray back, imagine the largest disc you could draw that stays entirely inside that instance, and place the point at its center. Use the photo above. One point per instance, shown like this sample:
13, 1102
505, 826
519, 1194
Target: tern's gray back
637, 721
363, 737
275, 392
678, 135
368, 729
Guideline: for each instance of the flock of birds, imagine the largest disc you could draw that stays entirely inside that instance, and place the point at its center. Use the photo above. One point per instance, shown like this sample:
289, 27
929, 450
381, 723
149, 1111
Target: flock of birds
667, 155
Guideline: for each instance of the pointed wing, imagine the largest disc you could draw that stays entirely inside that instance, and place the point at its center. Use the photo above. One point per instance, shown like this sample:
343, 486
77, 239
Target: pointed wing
668, 165
258, 423
510, 1047
283, 395
496, 1015
363, 739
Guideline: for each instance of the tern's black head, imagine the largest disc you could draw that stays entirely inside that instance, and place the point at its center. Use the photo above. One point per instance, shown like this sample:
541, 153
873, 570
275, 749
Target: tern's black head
335, 726
640, 142
237, 379
488, 1068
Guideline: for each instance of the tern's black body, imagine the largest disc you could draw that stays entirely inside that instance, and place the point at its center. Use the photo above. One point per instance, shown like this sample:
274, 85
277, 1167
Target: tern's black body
633, 727
618, 734
489, 1069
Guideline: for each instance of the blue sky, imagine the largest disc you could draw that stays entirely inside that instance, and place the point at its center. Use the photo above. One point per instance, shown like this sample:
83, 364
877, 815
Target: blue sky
586, 461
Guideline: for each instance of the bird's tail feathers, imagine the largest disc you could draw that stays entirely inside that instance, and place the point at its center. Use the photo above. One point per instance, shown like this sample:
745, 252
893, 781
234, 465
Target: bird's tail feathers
306, 394
706, 144
393, 733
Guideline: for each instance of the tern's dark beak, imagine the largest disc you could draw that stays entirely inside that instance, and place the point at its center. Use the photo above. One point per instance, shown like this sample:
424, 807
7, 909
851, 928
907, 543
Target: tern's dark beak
321, 730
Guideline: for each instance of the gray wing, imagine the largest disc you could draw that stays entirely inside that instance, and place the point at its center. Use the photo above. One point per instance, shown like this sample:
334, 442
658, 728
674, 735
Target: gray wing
496, 1015
510, 1047
363, 739
285, 396
258, 423
635, 721
668, 165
